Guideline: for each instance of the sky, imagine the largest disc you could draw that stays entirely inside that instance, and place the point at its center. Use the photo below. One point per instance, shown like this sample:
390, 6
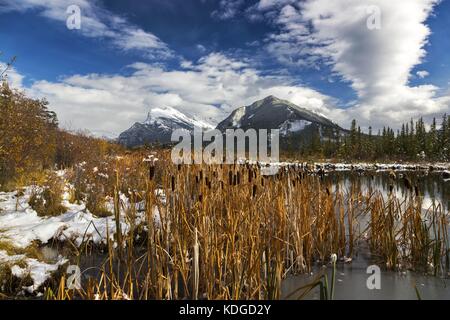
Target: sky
102, 65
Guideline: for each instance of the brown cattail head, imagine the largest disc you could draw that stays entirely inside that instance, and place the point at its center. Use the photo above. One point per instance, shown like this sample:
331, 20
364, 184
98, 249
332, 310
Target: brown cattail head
173, 183
254, 190
392, 174
151, 172
408, 183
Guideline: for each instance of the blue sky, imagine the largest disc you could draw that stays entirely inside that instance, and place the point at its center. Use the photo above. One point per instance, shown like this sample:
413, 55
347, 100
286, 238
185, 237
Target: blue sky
207, 57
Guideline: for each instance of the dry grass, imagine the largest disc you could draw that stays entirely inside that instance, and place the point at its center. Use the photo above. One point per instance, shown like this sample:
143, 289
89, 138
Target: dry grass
227, 232
46, 199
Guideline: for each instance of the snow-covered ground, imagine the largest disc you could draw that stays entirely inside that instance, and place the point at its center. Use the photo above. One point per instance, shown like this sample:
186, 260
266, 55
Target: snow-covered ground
382, 166
21, 226
38, 271
361, 166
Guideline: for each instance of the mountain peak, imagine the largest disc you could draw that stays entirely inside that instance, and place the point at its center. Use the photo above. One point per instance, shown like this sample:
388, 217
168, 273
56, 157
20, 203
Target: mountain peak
162, 115
158, 113
158, 127
271, 98
271, 113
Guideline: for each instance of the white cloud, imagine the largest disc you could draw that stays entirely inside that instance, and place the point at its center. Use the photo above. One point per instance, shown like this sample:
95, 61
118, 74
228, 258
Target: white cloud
14, 78
377, 63
207, 89
422, 74
96, 22
228, 9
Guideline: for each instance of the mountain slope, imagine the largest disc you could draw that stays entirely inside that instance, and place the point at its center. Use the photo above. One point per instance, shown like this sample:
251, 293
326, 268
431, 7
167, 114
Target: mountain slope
158, 127
274, 113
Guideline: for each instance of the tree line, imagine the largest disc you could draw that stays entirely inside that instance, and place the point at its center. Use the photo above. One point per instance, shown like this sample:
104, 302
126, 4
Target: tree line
412, 142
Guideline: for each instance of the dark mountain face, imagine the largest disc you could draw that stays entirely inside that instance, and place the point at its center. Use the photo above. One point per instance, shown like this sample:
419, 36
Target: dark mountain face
274, 113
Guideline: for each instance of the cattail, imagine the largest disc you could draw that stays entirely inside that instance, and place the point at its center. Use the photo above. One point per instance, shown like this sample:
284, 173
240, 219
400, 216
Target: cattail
173, 183
196, 266
416, 190
392, 175
250, 176
151, 172
408, 183
230, 177
238, 177
254, 190
200, 197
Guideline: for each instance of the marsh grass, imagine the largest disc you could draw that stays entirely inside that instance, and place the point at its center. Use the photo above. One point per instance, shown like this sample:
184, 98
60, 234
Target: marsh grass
228, 232
46, 199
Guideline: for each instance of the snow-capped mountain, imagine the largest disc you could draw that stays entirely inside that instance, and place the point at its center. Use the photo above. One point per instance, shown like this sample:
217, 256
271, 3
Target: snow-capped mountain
295, 123
274, 113
158, 127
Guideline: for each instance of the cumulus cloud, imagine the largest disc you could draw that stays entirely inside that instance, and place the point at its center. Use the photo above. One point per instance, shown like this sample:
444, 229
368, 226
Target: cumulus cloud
377, 62
96, 22
9, 73
207, 89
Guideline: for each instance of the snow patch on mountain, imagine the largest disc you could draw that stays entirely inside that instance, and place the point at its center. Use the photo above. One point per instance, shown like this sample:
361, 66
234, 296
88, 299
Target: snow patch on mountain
165, 115
237, 117
292, 126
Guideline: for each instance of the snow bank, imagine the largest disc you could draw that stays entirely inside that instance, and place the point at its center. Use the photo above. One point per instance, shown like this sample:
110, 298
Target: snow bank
21, 225
37, 270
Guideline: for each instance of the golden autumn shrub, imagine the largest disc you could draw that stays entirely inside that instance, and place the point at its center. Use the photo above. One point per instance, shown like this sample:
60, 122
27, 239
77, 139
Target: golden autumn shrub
27, 135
